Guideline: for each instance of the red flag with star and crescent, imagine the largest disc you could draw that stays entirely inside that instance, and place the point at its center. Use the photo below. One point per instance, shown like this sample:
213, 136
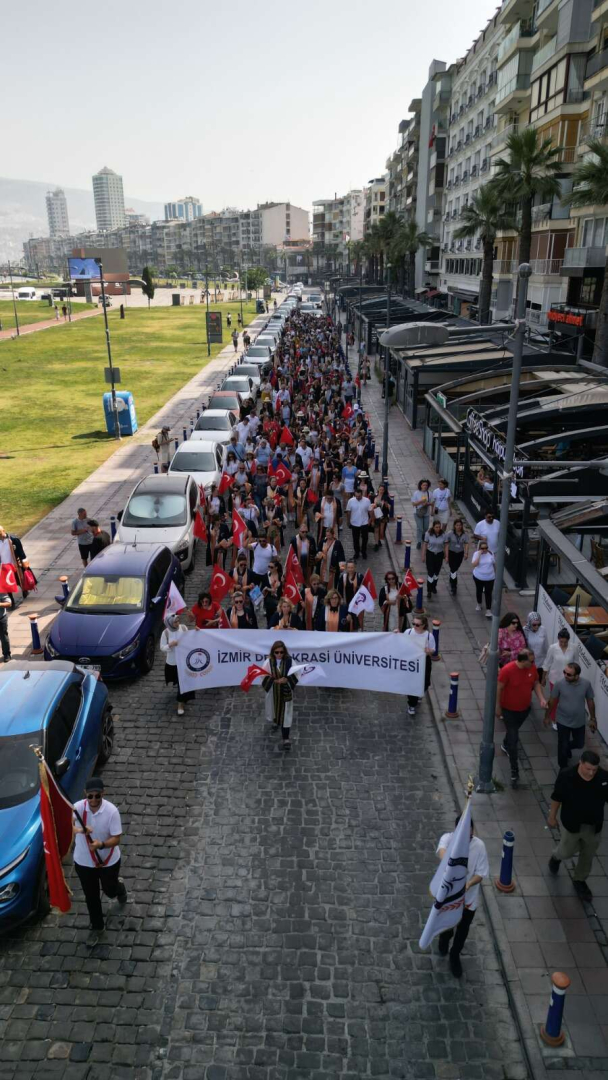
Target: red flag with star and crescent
369, 584
8, 578
220, 584
409, 584
200, 529
254, 671
226, 481
282, 474
292, 563
239, 528
286, 436
56, 815
290, 588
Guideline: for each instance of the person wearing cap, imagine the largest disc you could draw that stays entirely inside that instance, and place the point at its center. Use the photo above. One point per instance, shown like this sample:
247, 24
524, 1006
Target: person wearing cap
97, 858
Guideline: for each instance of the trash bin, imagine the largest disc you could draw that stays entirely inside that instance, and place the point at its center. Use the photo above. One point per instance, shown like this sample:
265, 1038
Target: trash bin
127, 417
176, 299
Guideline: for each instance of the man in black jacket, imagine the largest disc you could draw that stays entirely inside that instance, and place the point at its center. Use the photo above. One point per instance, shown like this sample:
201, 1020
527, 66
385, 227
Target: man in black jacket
581, 791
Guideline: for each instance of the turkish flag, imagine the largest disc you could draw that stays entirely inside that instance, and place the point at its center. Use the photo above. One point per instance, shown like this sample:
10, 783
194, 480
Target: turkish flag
290, 588
54, 837
409, 584
312, 496
254, 671
226, 481
223, 623
282, 473
286, 436
239, 528
200, 529
292, 563
8, 578
368, 582
202, 496
347, 412
220, 584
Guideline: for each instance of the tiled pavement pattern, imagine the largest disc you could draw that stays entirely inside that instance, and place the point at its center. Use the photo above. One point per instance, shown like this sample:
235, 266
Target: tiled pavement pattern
275, 908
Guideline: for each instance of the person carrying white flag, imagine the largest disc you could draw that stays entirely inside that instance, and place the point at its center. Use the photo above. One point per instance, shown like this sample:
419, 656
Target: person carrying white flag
364, 598
455, 886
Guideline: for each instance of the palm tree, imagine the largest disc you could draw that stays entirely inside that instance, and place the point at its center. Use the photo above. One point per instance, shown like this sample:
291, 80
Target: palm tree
590, 188
389, 226
531, 169
484, 217
371, 250
406, 242
356, 251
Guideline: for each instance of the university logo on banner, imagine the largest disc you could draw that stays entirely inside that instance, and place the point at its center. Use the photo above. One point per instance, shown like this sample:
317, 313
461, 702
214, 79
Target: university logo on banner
449, 883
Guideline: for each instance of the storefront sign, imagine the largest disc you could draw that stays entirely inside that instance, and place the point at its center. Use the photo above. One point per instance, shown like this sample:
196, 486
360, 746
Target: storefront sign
489, 438
566, 317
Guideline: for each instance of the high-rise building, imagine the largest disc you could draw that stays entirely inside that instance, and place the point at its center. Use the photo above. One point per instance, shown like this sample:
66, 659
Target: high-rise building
186, 209
109, 200
57, 213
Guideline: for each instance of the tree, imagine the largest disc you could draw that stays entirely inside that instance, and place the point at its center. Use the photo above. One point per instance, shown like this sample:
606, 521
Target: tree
530, 170
255, 277
484, 217
172, 271
590, 188
405, 243
356, 250
388, 228
148, 284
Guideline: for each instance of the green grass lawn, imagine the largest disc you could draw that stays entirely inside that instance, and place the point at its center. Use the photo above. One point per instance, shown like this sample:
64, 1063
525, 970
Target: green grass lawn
52, 427
32, 311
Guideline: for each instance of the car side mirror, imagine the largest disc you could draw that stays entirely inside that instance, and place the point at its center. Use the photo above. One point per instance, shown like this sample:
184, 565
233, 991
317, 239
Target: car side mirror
119, 515
62, 766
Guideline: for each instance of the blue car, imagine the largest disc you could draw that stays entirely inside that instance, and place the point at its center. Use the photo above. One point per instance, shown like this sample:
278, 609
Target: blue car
66, 712
110, 622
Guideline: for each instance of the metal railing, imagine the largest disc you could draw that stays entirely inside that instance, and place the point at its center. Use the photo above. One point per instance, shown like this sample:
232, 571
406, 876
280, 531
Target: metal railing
546, 266
542, 4
520, 30
545, 53
505, 266
519, 82
596, 62
502, 135
585, 256
593, 129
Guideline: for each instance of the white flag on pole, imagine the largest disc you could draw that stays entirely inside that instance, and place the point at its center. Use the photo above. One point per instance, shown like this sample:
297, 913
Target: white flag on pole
305, 670
449, 883
175, 601
361, 601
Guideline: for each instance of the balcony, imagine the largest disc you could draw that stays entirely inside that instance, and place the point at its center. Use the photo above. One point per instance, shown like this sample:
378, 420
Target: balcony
457, 180
465, 176
546, 267
544, 54
578, 259
517, 38
492, 79
593, 129
597, 68
547, 15
481, 89
513, 10
485, 165
600, 8
477, 132
512, 93
432, 266
437, 157
474, 171
504, 267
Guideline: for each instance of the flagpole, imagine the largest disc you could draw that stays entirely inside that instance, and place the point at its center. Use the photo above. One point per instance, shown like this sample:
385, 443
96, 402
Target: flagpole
41, 759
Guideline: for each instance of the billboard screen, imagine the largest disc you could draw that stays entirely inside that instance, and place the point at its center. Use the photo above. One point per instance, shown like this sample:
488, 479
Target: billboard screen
85, 269
214, 326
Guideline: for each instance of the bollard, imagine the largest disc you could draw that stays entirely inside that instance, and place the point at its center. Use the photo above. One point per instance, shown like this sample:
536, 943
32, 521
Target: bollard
376, 463
156, 467
191, 424
408, 555
551, 1031
185, 434
177, 444
504, 883
435, 631
419, 609
198, 414
373, 447
398, 539
36, 646
113, 527
391, 500
452, 712
65, 590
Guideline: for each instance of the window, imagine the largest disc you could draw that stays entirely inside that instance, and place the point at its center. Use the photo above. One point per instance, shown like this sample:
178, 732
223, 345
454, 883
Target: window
594, 232
61, 724
159, 571
588, 288
108, 593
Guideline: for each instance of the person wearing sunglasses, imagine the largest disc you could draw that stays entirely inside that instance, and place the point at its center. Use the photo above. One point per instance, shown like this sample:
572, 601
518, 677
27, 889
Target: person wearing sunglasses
571, 696
240, 616
279, 686
420, 636
96, 852
511, 638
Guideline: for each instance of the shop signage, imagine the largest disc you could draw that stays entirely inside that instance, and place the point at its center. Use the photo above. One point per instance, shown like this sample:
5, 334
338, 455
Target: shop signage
441, 399
490, 439
566, 317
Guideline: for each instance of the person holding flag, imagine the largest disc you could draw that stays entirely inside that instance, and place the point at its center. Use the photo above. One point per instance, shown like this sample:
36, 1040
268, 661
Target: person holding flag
169, 640
97, 858
478, 868
394, 603
364, 599
304, 547
279, 686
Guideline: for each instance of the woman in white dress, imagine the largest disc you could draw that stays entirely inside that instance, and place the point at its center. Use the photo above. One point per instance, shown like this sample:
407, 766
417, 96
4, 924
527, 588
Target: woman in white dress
279, 686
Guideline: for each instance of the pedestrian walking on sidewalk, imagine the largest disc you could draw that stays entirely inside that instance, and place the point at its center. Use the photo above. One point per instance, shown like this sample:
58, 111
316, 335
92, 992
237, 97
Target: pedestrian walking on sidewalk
581, 791
432, 552
421, 501
5, 605
536, 639
169, 641
511, 638
478, 868
483, 565
488, 529
279, 686
235, 340
83, 533
562, 652
161, 443
441, 502
97, 856
420, 636
572, 696
394, 606
101, 539
456, 548
229, 320
517, 681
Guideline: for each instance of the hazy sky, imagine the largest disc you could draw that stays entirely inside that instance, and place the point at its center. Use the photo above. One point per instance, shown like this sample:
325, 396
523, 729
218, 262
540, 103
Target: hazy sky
233, 102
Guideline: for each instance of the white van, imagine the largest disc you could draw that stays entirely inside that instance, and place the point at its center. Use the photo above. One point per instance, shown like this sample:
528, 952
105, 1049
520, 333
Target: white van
26, 294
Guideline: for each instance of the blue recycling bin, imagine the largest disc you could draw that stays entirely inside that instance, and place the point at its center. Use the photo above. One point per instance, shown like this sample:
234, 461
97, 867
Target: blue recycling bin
127, 417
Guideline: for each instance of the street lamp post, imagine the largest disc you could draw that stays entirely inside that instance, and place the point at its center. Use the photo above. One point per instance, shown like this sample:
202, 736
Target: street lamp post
111, 366
241, 293
486, 750
387, 375
359, 366
10, 276
207, 307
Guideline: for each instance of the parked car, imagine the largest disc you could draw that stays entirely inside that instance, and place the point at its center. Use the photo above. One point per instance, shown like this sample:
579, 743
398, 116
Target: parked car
268, 340
202, 460
261, 351
66, 712
242, 384
110, 621
250, 371
162, 511
215, 425
226, 399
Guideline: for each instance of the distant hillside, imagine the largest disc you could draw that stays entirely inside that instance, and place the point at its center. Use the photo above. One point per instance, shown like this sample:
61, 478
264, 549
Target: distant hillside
23, 212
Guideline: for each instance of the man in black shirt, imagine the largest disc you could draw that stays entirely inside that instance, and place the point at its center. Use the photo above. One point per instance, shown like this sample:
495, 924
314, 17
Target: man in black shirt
581, 791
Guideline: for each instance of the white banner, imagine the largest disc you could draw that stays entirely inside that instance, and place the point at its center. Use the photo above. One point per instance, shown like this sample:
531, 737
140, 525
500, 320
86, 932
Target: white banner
370, 661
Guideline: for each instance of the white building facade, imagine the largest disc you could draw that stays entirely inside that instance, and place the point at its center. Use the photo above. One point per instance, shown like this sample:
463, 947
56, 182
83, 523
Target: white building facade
109, 200
186, 209
57, 213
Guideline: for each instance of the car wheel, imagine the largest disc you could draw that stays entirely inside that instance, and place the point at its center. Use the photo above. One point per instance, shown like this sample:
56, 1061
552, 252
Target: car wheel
106, 737
147, 658
43, 903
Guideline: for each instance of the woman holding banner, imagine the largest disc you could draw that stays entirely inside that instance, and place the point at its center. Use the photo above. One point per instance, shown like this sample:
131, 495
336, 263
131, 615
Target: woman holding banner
419, 635
279, 686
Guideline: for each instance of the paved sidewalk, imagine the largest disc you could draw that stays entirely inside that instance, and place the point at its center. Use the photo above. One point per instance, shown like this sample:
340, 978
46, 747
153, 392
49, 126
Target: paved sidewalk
542, 927
52, 551
31, 328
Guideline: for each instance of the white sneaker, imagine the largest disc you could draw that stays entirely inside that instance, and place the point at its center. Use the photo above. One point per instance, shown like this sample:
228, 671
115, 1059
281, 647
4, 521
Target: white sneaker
411, 710
477, 607
180, 710
554, 726
488, 614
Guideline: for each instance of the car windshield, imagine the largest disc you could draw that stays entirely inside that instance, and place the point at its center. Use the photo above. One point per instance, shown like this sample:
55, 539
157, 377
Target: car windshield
224, 402
258, 350
107, 593
154, 510
213, 423
248, 369
19, 779
240, 385
190, 462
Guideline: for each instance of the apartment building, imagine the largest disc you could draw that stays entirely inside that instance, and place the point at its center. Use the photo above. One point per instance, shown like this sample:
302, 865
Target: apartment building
336, 222
57, 213
109, 200
186, 209
375, 197
474, 90
432, 140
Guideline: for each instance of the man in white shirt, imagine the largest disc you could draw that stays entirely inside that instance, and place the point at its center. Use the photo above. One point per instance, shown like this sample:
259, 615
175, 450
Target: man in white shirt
305, 453
263, 553
478, 868
243, 430
488, 529
358, 516
97, 833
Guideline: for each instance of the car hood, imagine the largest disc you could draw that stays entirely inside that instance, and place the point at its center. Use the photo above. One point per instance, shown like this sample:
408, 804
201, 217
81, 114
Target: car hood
96, 635
171, 536
18, 825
